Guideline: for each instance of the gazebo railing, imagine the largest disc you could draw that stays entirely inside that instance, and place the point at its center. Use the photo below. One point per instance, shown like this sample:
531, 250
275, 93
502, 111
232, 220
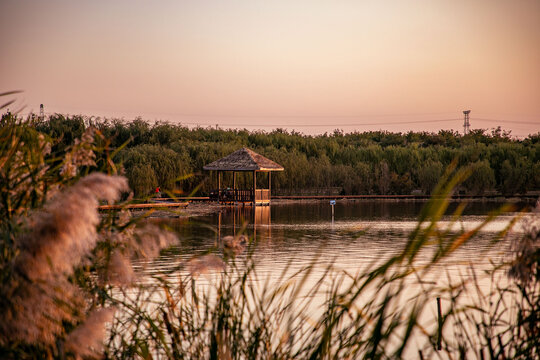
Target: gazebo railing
232, 195
241, 195
262, 195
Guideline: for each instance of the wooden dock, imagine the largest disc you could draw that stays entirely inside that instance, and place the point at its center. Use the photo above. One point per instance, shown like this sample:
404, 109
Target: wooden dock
146, 206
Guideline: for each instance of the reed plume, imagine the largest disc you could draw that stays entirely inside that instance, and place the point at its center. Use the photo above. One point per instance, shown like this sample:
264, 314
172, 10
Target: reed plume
65, 231
203, 264
87, 340
40, 298
81, 154
526, 265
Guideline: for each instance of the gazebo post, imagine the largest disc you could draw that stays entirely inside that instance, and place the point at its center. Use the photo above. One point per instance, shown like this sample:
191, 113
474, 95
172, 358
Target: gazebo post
219, 185
269, 182
234, 186
254, 187
219, 227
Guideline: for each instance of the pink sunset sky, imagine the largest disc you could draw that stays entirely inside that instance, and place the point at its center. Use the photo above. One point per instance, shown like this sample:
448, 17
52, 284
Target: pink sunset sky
312, 66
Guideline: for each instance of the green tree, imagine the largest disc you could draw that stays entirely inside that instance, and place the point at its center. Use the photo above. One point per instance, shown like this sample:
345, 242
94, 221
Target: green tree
515, 177
364, 178
481, 179
383, 177
166, 165
142, 179
429, 175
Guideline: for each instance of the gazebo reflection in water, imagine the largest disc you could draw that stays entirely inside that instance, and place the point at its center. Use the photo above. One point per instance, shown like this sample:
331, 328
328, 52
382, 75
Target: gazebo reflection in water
251, 221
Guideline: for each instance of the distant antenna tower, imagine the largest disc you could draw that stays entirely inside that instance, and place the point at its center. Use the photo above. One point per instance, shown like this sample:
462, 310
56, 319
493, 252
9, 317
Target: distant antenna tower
41, 112
466, 124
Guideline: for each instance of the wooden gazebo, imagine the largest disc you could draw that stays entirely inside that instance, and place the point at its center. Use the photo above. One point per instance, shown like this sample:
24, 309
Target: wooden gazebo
243, 160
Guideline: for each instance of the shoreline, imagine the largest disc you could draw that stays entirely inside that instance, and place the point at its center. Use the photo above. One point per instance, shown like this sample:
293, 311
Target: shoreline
502, 200
204, 208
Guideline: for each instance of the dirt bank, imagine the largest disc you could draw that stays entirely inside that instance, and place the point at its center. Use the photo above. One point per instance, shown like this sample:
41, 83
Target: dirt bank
193, 209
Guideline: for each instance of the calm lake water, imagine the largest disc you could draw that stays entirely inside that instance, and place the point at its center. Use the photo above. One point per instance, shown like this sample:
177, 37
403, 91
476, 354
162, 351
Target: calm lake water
360, 233
291, 236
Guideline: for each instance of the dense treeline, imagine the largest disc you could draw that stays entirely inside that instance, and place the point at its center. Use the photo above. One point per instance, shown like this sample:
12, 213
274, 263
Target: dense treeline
375, 162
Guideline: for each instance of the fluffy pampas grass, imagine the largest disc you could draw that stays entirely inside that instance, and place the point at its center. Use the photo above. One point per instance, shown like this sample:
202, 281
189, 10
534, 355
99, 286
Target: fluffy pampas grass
65, 231
87, 340
40, 299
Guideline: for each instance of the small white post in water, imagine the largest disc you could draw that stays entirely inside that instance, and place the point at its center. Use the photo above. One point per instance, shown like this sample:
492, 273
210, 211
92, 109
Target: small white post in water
332, 203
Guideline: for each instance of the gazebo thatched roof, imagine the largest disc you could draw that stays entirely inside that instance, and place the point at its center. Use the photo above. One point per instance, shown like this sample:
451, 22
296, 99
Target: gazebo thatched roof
244, 160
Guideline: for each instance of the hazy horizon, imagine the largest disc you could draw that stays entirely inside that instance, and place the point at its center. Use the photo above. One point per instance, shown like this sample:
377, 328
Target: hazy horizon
310, 66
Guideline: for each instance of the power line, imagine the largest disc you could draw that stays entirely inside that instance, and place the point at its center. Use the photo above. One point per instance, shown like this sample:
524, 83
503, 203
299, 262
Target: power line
318, 117
509, 121
326, 125
369, 124
299, 116
296, 124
